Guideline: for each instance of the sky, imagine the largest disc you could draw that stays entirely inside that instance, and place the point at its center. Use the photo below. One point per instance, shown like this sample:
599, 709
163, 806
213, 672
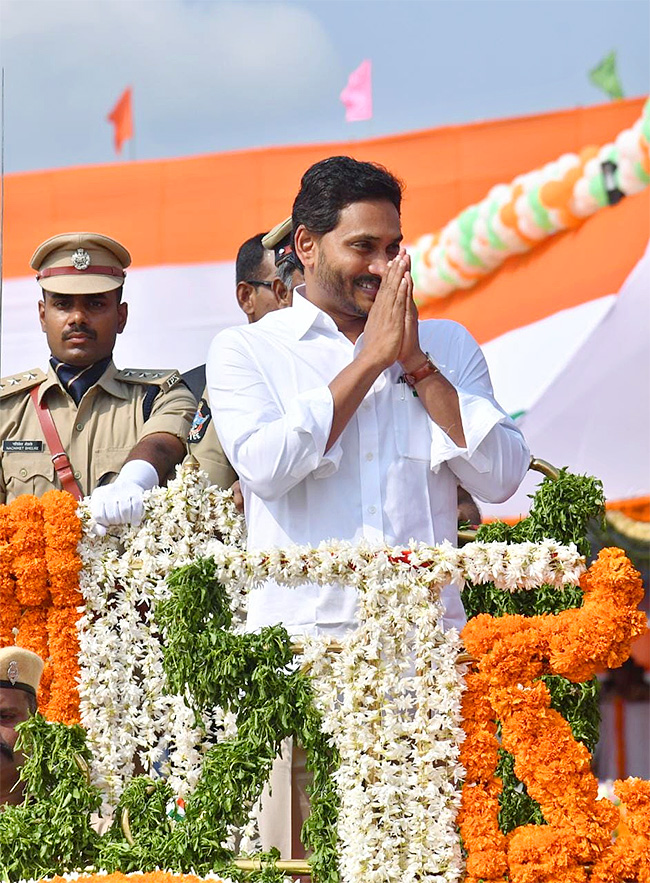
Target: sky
212, 76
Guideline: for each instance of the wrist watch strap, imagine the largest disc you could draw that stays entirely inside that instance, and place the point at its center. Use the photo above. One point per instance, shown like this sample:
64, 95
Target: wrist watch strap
425, 370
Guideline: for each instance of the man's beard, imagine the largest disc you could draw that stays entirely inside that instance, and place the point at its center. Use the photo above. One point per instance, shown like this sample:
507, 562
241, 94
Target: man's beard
339, 288
6, 751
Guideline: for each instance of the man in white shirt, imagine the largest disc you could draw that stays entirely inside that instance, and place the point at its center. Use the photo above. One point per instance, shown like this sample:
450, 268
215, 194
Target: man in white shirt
343, 415
317, 411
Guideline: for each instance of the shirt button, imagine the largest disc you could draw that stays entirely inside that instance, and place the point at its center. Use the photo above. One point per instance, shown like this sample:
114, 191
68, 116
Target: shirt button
23, 472
366, 406
370, 456
372, 510
77, 474
79, 427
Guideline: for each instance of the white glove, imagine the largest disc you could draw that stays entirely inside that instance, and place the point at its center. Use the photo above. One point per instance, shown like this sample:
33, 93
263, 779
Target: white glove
122, 501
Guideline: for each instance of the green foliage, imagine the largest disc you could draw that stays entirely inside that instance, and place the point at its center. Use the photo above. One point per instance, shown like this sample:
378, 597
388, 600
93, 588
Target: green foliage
516, 806
50, 832
562, 510
144, 801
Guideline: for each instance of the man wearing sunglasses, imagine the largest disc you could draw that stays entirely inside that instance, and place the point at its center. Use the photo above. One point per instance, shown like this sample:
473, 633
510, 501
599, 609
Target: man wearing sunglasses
258, 292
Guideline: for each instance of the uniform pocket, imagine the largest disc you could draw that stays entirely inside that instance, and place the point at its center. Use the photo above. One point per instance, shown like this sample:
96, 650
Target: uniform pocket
106, 464
412, 424
27, 473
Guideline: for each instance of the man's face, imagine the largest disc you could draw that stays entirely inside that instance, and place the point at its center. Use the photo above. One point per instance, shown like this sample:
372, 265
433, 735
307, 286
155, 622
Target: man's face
14, 708
348, 262
81, 328
258, 300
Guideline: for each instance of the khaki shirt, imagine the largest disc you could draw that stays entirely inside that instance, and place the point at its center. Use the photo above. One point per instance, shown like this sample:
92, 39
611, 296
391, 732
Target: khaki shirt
205, 447
97, 435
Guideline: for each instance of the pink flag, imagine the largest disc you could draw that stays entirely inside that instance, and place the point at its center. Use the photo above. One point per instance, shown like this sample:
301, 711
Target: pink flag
357, 95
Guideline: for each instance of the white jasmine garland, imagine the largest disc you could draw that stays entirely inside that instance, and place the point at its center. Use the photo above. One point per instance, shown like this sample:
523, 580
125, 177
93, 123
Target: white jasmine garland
124, 705
390, 700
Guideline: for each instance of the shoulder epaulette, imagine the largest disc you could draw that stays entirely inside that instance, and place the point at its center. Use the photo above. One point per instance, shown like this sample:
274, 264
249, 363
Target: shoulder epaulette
19, 382
163, 378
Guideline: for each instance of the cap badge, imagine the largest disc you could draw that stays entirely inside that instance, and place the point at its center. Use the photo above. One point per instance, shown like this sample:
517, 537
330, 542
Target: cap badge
12, 672
80, 259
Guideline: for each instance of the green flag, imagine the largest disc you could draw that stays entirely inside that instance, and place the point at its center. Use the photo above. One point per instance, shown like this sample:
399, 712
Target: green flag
605, 76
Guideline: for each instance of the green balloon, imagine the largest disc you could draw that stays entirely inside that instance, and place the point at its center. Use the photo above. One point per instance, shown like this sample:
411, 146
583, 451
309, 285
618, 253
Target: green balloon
597, 189
494, 240
542, 217
444, 275
641, 173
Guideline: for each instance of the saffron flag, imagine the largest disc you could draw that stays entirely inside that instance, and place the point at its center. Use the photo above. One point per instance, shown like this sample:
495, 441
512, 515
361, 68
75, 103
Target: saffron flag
122, 118
357, 95
605, 76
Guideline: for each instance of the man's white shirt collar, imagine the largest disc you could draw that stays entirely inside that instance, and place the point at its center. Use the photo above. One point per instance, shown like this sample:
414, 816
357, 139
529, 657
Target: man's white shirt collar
304, 315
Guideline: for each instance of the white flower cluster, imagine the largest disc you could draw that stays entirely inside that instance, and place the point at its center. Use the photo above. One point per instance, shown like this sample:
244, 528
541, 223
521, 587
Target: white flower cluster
391, 702
126, 710
509, 567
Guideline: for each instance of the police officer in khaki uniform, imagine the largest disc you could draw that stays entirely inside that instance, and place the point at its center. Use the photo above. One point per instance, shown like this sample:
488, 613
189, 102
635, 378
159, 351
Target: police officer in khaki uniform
85, 425
258, 292
20, 675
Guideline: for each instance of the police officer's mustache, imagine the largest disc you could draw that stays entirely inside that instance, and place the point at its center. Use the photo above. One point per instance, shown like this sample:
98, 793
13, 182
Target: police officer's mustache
6, 751
80, 329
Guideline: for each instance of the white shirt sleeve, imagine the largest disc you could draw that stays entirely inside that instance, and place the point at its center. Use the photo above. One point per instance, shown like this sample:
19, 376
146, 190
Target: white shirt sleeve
494, 461
270, 448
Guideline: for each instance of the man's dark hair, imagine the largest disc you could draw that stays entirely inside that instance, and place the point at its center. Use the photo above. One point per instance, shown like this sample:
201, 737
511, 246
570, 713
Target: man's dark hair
249, 258
332, 184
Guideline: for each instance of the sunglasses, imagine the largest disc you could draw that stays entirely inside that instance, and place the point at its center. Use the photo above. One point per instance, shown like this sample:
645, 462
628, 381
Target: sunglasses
256, 282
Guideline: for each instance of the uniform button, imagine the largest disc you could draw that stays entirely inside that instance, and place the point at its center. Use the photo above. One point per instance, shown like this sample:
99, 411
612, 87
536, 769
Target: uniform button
79, 427
370, 456
77, 474
366, 406
372, 510
23, 472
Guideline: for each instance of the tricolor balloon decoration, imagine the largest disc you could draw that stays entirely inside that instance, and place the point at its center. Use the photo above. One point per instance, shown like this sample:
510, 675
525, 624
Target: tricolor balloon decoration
514, 217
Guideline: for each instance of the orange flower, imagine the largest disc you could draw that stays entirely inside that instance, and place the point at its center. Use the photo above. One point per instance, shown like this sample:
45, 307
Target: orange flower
513, 651
62, 536
64, 650
28, 544
39, 593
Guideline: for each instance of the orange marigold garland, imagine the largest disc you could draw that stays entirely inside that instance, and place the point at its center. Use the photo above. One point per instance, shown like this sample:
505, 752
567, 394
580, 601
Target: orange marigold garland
64, 652
62, 535
39, 591
478, 815
513, 652
150, 877
28, 540
9, 606
628, 858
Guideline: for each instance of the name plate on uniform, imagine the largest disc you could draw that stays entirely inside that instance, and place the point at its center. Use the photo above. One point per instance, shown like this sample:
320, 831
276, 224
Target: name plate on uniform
22, 446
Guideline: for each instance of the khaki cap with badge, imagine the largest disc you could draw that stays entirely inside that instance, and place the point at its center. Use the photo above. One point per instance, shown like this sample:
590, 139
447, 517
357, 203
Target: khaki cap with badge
80, 263
278, 240
20, 669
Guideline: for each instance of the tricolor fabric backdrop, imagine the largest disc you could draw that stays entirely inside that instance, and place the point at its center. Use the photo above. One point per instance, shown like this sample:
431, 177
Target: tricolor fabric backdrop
565, 327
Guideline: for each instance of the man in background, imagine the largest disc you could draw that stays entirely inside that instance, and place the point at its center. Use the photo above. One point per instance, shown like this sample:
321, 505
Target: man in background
20, 674
86, 426
258, 291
